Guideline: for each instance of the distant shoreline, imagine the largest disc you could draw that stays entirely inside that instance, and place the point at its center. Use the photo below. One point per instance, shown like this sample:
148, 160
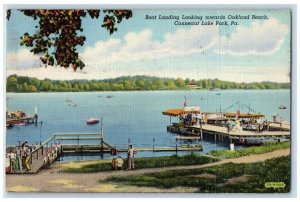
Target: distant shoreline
141, 91
20, 84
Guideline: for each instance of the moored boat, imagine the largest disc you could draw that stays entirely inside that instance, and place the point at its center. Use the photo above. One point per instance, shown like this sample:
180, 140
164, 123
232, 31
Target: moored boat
20, 123
92, 121
282, 107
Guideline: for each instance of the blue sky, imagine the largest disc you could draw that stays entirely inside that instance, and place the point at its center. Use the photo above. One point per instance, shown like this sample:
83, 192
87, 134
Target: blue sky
254, 50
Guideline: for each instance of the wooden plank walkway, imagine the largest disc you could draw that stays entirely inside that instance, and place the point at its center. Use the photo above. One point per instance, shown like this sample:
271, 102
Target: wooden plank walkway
94, 149
188, 137
165, 149
37, 162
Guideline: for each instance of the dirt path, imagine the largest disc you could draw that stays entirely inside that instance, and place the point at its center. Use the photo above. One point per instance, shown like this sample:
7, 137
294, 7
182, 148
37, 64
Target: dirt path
51, 180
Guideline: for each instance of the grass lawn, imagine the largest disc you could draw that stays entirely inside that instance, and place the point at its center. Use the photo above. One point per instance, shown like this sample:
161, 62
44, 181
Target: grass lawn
267, 147
226, 178
149, 162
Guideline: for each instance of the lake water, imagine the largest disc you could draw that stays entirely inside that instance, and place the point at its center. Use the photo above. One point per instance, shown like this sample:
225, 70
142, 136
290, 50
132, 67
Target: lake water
134, 116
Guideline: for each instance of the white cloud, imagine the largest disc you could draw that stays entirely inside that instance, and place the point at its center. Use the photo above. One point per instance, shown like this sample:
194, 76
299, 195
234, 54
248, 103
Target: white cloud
140, 54
141, 46
261, 38
255, 74
22, 59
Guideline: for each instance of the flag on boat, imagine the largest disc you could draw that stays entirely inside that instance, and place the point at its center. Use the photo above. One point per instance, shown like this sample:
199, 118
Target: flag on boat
185, 103
238, 112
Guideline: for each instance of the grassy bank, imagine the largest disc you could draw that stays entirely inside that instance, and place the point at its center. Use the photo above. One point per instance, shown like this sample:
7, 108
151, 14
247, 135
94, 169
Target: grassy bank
267, 147
226, 178
150, 162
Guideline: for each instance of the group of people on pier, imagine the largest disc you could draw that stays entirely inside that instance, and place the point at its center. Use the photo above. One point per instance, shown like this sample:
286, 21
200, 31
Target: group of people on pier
52, 153
18, 160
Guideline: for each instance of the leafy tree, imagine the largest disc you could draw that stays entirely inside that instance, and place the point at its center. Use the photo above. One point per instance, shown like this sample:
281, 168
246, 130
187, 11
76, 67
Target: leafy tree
12, 83
170, 85
59, 30
204, 84
179, 82
140, 84
128, 85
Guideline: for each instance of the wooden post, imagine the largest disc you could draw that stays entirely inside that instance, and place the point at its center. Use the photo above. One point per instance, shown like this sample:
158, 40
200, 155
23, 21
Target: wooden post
153, 144
201, 132
30, 158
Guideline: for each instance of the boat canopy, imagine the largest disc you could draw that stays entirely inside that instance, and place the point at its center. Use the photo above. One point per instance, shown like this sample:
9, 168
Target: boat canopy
249, 116
177, 112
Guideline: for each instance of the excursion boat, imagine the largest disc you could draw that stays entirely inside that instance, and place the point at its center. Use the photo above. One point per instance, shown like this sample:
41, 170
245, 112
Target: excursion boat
282, 107
92, 121
20, 123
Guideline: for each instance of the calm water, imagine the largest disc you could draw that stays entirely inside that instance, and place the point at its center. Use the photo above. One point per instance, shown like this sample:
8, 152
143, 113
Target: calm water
132, 116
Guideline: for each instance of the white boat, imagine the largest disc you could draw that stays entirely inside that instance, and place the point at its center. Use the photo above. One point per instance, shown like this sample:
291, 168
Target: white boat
20, 123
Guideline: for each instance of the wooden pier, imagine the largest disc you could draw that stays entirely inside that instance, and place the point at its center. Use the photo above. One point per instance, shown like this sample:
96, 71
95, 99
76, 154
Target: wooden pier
100, 146
27, 119
97, 149
188, 138
219, 133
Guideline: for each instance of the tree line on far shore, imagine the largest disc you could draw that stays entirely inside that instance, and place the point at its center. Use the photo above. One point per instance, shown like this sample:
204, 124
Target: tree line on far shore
128, 83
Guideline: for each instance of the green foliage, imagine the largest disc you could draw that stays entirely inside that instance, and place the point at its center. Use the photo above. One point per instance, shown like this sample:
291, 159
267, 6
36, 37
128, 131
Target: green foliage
273, 170
267, 147
59, 30
149, 162
17, 84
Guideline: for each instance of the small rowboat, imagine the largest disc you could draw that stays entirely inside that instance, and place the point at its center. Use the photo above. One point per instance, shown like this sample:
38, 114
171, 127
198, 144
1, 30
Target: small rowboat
20, 123
282, 107
92, 121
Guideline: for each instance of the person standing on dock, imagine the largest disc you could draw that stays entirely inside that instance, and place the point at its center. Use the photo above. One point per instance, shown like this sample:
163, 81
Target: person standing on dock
27, 159
23, 154
19, 158
131, 152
